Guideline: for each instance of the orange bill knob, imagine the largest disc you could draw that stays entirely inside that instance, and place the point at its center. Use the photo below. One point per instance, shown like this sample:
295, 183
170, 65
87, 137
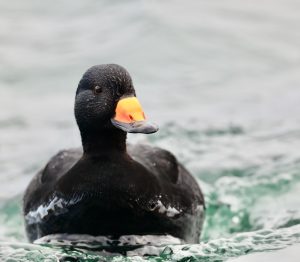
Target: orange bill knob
130, 117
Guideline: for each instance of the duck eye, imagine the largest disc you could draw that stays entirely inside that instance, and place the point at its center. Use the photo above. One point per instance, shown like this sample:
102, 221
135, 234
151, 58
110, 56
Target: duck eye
98, 90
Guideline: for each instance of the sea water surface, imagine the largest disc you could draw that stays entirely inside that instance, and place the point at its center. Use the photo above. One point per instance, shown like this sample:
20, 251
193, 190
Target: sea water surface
222, 80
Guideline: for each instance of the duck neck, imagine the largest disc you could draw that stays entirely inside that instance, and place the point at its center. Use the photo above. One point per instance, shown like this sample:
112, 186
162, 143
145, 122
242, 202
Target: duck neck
98, 142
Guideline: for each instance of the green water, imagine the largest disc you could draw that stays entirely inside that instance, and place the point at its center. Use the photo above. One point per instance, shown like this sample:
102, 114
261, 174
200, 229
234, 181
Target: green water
255, 209
221, 78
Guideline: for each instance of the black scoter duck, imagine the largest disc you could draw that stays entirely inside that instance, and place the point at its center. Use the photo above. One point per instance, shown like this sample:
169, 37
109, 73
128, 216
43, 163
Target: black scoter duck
110, 188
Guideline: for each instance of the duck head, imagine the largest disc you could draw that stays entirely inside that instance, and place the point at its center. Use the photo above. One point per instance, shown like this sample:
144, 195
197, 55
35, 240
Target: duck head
106, 101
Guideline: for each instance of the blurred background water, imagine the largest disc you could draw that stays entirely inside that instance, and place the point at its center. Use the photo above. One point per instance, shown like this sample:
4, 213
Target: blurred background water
222, 80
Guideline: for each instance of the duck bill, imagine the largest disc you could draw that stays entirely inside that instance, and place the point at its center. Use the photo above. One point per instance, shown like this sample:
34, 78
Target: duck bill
130, 117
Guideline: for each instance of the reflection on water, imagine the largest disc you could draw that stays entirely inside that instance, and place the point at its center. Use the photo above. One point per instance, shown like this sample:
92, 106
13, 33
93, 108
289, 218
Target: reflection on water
221, 78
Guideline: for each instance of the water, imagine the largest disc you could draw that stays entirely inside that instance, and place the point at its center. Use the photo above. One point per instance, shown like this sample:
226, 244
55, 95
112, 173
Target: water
221, 78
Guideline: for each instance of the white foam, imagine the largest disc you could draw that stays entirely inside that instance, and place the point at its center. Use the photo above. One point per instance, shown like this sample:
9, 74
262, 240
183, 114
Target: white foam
125, 240
57, 205
140, 244
169, 211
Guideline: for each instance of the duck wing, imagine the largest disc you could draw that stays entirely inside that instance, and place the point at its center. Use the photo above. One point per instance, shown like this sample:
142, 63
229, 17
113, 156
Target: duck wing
43, 182
159, 162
